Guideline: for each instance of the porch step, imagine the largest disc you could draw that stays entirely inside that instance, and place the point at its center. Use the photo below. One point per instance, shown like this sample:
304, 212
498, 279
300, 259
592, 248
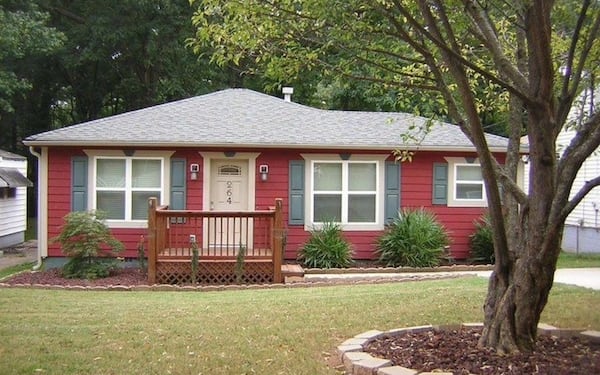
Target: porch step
292, 273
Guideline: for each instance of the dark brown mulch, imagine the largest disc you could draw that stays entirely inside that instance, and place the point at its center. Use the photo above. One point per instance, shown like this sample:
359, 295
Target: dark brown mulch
456, 351
124, 276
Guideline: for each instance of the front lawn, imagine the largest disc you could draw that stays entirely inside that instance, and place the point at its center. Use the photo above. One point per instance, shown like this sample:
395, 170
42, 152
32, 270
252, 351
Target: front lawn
270, 331
573, 260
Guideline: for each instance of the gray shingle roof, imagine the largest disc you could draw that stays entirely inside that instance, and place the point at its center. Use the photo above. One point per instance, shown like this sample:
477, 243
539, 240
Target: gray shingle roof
10, 156
244, 117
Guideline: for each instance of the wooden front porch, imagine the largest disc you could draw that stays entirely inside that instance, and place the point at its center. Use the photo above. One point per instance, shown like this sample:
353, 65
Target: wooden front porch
231, 247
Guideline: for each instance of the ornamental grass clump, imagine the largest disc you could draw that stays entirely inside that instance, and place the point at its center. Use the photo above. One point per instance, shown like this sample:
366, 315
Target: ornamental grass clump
482, 242
326, 248
414, 239
88, 241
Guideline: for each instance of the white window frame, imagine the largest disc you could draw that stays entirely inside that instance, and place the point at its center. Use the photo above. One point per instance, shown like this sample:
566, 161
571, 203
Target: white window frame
378, 160
453, 201
162, 156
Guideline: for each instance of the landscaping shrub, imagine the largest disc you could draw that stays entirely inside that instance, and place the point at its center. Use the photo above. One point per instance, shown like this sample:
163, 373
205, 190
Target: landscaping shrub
141, 256
482, 243
87, 240
326, 248
89, 268
414, 239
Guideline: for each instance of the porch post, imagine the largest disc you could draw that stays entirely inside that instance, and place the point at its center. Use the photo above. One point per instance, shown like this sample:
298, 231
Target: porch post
278, 233
152, 204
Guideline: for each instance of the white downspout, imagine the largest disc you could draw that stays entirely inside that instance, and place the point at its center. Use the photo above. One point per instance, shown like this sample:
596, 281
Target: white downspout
39, 210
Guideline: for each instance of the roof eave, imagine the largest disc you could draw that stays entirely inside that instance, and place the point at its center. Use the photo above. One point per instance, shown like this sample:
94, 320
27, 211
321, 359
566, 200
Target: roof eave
452, 148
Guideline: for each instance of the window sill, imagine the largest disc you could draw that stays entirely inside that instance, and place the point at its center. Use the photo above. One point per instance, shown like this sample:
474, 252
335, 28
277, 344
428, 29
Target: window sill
127, 224
348, 227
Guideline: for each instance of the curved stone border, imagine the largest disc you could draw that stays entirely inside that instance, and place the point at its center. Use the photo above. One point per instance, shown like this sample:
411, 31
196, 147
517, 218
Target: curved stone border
399, 270
213, 288
356, 362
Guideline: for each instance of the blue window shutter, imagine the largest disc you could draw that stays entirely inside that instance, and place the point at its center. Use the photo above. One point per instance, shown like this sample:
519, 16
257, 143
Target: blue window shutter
79, 182
296, 199
440, 183
392, 190
178, 184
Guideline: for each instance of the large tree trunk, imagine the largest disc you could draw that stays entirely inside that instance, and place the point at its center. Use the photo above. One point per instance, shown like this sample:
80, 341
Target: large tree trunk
517, 295
524, 272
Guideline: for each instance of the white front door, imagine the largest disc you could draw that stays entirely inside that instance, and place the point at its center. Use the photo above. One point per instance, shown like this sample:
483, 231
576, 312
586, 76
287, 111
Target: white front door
229, 192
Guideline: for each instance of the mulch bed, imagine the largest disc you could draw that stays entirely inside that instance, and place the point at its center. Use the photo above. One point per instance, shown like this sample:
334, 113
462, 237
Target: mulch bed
124, 276
456, 351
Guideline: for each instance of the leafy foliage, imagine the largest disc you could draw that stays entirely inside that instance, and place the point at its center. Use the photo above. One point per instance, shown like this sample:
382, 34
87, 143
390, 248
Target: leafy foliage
326, 248
86, 238
240, 259
195, 262
358, 62
89, 268
482, 243
24, 34
414, 239
141, 256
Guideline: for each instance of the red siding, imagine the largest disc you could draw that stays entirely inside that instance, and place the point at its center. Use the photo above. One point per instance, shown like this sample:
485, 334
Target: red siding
416, 191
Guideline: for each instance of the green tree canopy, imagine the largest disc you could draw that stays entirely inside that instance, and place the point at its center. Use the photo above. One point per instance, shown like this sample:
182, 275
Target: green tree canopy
24, 33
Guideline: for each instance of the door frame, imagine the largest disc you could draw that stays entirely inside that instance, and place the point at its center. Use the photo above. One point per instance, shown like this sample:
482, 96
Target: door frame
208, 158
206, 175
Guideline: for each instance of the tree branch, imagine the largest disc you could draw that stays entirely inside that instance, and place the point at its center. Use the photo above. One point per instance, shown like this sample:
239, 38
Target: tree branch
65, 13
510, 185
489, 38
440, 44
570, 206
571, 80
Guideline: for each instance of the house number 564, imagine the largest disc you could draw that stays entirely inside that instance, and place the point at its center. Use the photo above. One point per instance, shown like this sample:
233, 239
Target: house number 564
229, 191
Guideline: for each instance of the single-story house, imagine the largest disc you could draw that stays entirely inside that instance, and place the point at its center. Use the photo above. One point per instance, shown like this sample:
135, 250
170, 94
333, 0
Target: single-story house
240, 150
13, 198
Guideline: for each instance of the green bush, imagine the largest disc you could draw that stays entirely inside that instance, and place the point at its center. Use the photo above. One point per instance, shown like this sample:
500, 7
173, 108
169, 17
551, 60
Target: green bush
87, 240
89, 268
414, 239
482, 243
326, 248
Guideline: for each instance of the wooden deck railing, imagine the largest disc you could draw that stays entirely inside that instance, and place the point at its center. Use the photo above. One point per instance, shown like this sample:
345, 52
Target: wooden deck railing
222, 240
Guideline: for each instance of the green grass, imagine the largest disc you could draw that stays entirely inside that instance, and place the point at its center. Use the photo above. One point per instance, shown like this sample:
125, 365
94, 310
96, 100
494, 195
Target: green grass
276, 331
582, 260
15, 269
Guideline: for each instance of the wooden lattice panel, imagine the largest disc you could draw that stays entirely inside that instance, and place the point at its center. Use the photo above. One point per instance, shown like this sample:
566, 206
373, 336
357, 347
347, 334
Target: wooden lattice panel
214, 273
173, 272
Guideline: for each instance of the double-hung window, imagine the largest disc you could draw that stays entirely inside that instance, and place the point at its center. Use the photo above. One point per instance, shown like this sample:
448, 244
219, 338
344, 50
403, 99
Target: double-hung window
124, 184
345, 192
463, 182
468, 183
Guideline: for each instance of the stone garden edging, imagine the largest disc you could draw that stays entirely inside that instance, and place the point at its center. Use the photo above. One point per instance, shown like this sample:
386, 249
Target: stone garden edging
213, 288
398, 270
356, 362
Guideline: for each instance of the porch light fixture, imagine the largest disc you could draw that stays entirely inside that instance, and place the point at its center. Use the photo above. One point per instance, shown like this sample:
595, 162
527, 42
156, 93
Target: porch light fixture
263, 169
194, 169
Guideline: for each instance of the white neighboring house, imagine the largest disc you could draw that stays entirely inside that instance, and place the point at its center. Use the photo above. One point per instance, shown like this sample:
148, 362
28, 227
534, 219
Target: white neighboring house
13, 198
582, 227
